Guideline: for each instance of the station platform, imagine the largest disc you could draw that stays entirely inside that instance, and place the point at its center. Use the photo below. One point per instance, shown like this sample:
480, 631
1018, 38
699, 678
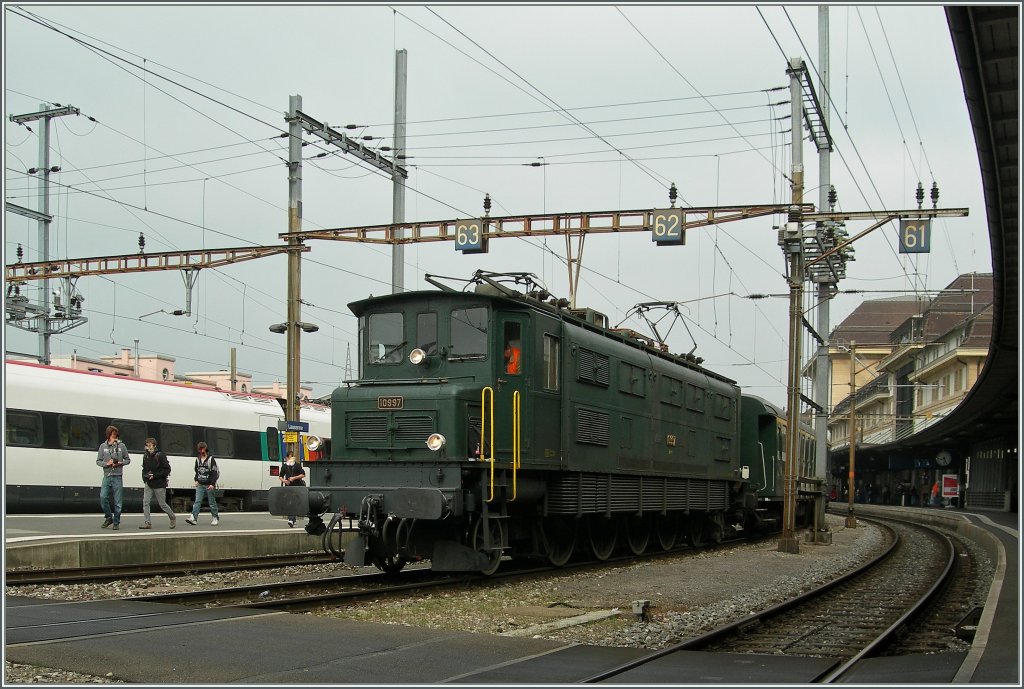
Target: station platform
77, 540
327, 651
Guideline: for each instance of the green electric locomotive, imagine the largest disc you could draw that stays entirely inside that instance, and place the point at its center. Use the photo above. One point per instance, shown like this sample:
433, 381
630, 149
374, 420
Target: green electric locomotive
495, 421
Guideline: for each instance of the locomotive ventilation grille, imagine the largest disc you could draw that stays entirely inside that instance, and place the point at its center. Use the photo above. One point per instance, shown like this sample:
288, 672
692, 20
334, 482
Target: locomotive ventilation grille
413, 429
598, 494
591, 427
384, 429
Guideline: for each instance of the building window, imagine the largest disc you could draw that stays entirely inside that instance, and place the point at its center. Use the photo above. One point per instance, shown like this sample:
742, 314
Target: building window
244, 388
165, 374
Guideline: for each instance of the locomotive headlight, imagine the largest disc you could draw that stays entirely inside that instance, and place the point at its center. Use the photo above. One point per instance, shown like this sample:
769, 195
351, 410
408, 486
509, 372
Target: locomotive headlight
436, 441
417, 356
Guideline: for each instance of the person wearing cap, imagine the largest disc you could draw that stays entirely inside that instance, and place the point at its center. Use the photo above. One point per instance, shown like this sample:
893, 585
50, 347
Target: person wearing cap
112, 456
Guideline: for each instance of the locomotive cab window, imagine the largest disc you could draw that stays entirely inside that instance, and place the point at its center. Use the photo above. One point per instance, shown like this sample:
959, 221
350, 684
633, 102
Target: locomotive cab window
513, 348
386, 338
469, 333
426, 332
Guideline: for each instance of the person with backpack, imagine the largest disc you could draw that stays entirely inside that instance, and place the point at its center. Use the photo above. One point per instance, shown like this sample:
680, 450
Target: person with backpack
291, 474
112, 456
206, 478
155, 470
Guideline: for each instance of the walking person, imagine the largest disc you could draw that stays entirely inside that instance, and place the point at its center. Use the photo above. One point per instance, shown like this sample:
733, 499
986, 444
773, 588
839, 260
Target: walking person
112, 456
292, 474
155, 470
206, 478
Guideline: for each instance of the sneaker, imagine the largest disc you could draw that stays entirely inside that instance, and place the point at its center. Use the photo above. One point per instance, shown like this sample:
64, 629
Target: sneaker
174, 522
215, 522
147, 525
116, 527
106, 523
191, 520
291, 523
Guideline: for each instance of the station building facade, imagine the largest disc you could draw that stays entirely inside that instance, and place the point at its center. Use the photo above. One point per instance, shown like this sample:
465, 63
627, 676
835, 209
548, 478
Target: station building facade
914, 361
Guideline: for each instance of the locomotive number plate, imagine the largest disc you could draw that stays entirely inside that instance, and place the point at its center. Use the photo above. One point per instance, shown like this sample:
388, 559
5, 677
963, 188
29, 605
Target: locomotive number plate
390, 402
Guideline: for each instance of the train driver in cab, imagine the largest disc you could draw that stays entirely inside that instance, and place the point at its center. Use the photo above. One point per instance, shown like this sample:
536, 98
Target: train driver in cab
513, 350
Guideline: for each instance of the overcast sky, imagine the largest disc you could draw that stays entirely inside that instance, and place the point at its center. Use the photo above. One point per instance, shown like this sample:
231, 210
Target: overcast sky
187, 153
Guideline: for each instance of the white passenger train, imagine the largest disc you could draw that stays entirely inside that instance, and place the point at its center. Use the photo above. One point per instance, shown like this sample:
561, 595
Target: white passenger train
56, 417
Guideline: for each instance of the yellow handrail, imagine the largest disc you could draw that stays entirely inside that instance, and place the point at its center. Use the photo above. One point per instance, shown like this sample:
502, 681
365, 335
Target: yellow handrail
484, 427
516, 439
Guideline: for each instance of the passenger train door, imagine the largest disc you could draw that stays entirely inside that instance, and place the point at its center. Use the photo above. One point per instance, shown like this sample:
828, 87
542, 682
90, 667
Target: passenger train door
270, 444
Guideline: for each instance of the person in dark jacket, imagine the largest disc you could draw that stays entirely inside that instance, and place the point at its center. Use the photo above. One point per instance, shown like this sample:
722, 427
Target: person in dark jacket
112, 456
206, 478
292, 474
155, 470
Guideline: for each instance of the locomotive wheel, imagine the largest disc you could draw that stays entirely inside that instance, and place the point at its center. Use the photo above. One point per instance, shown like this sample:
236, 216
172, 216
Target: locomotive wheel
638, 534
389, 564
695, 530
494, 555
665, 529
559, 539
603, 535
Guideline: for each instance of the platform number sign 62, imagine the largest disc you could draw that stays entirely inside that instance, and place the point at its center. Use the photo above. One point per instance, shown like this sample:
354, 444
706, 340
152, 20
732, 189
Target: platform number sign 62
667, 226
915, 236
469, 236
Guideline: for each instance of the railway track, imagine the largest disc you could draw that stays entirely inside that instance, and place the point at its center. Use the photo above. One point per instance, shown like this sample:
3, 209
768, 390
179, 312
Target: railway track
856, 616
88, 574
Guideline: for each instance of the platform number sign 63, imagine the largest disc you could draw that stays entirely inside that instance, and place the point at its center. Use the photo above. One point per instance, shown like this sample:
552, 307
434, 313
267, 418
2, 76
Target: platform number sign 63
667, 226
915, 236
469, 236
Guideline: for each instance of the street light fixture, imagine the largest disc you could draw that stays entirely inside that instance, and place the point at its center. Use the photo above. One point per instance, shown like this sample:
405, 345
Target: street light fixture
282, 328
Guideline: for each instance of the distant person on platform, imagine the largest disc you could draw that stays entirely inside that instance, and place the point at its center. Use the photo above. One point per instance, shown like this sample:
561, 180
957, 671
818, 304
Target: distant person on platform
112, 456
155, 470
291, 474
206, 477
936, 495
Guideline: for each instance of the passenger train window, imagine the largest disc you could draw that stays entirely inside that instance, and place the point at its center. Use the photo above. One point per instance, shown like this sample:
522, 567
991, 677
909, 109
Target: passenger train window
176, 440
469, 333
78, 432
132, 433
221, 442
386, 333
426, 332
25, 428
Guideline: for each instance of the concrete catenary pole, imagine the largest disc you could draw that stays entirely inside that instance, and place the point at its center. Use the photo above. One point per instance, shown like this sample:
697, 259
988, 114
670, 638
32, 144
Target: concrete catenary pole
294, 259
398, 193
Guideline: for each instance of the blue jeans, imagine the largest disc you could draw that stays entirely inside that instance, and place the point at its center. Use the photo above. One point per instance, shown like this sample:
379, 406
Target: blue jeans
204, 491
115, 485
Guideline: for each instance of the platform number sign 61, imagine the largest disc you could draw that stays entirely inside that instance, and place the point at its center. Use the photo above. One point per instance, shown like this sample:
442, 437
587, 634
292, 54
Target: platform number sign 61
915, 236
667, 226
469, 236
